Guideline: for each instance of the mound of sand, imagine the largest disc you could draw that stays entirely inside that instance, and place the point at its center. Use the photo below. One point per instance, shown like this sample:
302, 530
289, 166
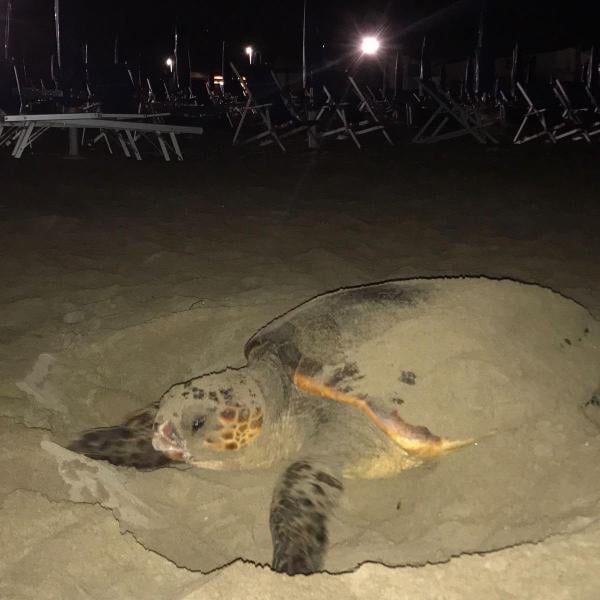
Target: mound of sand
102, 313
523, 360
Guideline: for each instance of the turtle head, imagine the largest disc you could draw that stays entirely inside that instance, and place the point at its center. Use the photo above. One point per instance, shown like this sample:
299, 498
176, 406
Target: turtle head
207, 418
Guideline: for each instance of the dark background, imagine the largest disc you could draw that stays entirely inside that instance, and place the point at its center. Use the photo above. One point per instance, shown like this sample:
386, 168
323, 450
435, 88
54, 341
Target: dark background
145, 28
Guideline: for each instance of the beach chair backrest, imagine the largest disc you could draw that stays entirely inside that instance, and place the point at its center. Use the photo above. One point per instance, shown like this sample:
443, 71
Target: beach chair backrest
258, 81
575, 93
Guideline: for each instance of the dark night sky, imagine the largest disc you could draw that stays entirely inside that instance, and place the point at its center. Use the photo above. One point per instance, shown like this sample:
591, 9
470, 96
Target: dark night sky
275, 26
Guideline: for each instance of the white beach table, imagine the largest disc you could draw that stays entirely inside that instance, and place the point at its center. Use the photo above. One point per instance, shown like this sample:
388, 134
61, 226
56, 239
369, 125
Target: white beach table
127, 128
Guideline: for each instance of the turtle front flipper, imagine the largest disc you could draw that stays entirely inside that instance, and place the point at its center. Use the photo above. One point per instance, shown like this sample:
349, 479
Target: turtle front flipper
302, 502
128, 444
416, 440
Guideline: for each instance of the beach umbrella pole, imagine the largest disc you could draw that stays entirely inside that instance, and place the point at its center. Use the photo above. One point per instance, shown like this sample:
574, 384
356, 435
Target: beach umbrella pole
223, 65
7, 29
57, 31
304, 46
175, 53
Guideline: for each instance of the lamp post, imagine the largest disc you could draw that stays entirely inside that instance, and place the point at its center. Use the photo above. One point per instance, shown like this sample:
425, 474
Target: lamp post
370, 45
169, 62
249, 51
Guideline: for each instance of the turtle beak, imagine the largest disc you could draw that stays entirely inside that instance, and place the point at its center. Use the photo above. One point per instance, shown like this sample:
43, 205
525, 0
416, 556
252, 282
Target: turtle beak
167, 441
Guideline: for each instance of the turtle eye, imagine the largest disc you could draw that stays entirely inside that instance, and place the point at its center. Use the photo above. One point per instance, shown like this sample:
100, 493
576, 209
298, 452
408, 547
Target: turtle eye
197, 423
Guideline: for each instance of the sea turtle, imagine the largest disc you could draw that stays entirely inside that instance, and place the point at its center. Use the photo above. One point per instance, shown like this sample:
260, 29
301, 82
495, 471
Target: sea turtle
363, 382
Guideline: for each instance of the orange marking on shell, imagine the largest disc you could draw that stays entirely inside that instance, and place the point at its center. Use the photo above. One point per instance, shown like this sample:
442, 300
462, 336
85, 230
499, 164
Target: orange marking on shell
414, 439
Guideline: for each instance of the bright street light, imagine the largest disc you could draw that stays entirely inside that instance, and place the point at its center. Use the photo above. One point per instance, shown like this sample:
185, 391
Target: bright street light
169, 63
249, 52
370, 45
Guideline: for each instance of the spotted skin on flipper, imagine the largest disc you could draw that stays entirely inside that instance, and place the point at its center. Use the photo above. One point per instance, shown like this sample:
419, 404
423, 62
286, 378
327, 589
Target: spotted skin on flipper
128, 444
304, 498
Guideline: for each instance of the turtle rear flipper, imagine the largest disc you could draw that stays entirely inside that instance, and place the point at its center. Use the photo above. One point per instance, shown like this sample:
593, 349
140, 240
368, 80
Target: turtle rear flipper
302, 502
129, 444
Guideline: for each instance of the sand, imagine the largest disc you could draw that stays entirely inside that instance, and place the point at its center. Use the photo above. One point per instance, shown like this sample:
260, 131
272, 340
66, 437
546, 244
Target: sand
122, 278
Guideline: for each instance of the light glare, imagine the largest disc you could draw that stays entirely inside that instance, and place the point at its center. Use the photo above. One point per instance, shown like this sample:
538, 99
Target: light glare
370, 45
249, 50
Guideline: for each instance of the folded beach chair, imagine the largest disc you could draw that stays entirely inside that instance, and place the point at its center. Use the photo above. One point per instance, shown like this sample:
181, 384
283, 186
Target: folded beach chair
10, 102
406, 106
265, 113
224, 104
377, 99
451, 118
344, 110
336, 110
579, 108
368, 106
543, 117
594, 100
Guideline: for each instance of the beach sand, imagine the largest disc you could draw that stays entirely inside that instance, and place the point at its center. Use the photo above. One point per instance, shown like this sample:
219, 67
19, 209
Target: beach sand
122, 278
